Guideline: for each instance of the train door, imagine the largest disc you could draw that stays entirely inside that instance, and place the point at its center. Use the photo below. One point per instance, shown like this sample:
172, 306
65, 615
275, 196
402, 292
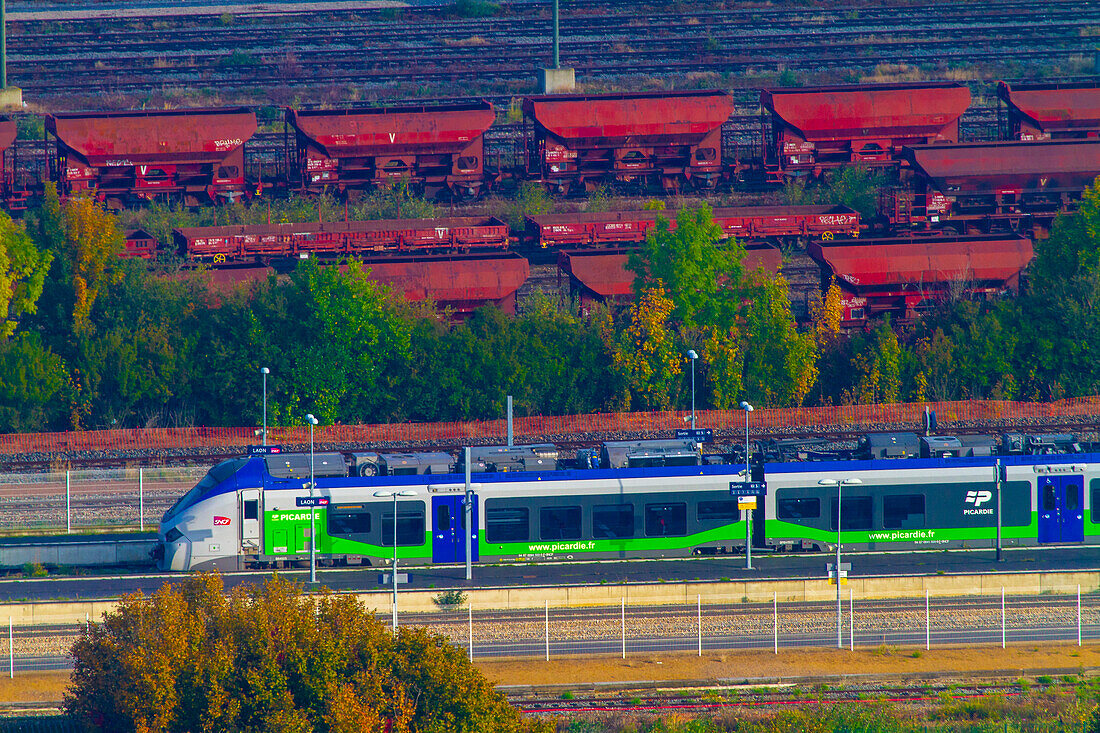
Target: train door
1061, 512
448, 528
249, 503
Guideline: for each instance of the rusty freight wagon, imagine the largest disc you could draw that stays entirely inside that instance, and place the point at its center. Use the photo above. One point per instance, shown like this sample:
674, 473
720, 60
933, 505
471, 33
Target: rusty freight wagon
436, 149
814, 129
249, 243
982, 187
12, 189
905, 276
1049, 111
779, 224
196, 155
669, 141
601, 275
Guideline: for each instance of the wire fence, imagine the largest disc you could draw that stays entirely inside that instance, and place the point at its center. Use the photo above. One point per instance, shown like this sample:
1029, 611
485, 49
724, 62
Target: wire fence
75, 501
701, 627
852, 416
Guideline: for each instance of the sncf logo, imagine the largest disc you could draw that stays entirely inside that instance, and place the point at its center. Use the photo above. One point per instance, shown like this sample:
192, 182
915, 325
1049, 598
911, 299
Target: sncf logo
977, 498
221, 521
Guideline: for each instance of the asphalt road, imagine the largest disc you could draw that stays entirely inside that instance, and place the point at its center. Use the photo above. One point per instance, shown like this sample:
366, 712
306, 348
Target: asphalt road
726, 568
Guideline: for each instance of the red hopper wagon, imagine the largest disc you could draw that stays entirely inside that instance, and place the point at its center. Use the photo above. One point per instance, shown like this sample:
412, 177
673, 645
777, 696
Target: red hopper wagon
435, 149
671, 140
1050, 111
197, 154
814, 129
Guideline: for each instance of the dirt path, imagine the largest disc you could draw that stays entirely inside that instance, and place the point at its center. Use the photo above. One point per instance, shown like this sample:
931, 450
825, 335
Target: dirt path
727, 667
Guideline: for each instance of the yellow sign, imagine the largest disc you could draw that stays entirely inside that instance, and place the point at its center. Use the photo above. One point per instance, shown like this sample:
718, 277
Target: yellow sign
746, 502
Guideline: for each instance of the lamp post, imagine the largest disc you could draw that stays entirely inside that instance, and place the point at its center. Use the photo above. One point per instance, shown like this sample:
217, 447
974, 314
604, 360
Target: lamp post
393, 570
839, 484
312, 510
265, 371
748, 477
692, 356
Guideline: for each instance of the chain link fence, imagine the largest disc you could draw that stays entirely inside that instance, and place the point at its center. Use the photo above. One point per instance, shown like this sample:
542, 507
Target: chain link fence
81, 500
696, 628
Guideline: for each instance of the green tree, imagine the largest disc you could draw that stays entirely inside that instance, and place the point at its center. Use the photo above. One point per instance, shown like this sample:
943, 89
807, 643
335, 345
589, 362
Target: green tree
646, 353
780, 362
23, 269
34, 386
193, 656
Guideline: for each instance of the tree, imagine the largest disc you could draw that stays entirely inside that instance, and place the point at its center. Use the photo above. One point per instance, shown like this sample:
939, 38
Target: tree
35, 391
645, 354
23, 269
268, 657
780, 363
92, 245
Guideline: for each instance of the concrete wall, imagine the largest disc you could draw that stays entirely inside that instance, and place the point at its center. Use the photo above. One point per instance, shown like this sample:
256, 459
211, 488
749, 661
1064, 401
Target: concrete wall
787, 591
77, 553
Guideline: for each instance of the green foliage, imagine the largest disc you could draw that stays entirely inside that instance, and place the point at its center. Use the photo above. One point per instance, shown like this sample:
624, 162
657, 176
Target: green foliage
788, 78
450, 600
193, 656
395, 201
474, 9
237, 59
35, 390
30, 127
23, 269
34, 570
851, 186
531, 200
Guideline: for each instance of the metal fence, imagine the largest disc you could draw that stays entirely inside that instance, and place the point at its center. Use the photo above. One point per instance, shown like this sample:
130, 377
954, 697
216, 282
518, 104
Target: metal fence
697, 628
539, 425
73, 501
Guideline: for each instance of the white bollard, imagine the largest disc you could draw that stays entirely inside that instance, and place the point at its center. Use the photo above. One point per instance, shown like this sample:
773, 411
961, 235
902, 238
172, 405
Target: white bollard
699, 620
775, 620
68, 502
548, 631
470, 611
141, 499
1002, 617
1078, 614
927, 624
623, 600
11, 651
851, 620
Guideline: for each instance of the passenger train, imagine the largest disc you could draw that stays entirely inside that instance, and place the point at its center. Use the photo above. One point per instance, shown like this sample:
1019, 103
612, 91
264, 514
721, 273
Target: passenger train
659, 499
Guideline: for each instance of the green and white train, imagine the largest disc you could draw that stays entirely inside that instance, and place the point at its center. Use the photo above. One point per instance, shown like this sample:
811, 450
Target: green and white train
657, 500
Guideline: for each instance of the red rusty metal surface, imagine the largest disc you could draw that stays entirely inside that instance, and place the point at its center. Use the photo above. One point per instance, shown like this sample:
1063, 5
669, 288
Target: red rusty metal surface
1057, 110
604, 272
888, 266
608, 120
341, 238
386, 130
745, 223
889, 111
141, 244
8, 132
463, 282
136, 137
1054, 164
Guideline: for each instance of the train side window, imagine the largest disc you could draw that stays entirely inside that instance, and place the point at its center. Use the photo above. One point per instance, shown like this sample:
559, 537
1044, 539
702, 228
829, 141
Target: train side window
805, 507
905, 511
507, 525
252, 509
856, 513
666, 520
714, 513
1049, 500
560, 523
442, 518
1094, 500
345, 523
410, 526
1071, 497
613, 521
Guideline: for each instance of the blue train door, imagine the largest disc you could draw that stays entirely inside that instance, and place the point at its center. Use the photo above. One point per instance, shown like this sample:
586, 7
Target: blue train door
448, 537
1061, 513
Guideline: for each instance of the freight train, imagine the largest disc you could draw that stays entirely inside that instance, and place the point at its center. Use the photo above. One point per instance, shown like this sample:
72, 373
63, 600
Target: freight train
572, 144
644, 499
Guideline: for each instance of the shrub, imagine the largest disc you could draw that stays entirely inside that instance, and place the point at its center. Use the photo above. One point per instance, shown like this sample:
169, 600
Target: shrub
269, 657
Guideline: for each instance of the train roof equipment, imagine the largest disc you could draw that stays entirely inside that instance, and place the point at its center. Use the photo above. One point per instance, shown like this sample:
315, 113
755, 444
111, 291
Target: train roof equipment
647, 453
412, 129
297, 465
887, 445
635, 119
504, 458
137, 137
401, 464
1043, 110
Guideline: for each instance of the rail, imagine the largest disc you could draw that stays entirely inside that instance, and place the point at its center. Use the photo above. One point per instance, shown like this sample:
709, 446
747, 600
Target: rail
762, 420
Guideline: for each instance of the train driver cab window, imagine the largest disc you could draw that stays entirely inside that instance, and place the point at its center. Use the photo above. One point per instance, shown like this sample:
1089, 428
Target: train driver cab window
410, 525
666, 520
507, 525
560, 523
613, 521
802, 507
903, 512
252, 509
855, 514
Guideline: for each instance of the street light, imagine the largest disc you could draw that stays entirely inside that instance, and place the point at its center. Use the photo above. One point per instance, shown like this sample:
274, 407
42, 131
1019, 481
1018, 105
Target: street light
393, 570
265, 371
748, 477
839, 484
692, 356
312, 510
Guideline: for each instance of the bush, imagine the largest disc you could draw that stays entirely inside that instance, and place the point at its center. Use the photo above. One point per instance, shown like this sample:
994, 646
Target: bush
190, 657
